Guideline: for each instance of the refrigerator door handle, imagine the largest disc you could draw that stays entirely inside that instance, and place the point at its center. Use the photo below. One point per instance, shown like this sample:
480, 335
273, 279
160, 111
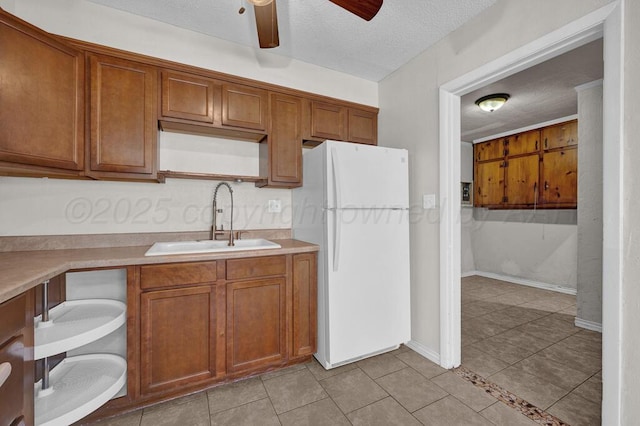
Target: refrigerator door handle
336, 241
337, 199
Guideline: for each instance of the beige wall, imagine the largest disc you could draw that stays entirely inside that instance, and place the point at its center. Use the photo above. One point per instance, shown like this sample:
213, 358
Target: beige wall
409, 119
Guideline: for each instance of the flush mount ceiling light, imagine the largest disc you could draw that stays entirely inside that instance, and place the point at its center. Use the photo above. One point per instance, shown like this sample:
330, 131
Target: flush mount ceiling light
493, 102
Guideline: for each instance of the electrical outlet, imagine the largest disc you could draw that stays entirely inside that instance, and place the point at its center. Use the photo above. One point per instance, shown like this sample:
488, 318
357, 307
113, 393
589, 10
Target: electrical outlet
275, 206
429, 201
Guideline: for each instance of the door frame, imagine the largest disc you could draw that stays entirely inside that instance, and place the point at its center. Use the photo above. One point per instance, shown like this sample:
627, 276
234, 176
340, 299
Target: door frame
605, 22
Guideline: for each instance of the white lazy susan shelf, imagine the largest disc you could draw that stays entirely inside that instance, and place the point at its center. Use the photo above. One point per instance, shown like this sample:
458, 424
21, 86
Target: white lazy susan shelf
75, 323
80, 385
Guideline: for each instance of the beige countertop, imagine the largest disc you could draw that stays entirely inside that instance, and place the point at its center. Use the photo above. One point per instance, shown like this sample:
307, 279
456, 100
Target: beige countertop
22, 270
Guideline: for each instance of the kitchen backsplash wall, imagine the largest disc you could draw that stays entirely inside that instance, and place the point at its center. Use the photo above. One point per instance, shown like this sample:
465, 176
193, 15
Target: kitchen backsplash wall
30, 206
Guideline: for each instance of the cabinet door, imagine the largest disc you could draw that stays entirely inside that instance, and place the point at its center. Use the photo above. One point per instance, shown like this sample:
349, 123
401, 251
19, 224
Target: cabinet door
187, 97
124, 123
41, 98
523, 143
522, 180
177, 340
489, 150
560, 177
285, 141
328, 121
244, 106
305, 297
363, 126
16, 360
560, 135
489, 183
256, 324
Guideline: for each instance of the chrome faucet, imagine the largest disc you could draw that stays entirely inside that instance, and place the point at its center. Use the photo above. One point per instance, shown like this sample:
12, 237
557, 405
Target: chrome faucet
214, 229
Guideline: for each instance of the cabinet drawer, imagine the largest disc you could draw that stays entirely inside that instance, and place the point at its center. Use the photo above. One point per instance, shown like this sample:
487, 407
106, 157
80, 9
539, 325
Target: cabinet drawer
11, 390
13, 321
173, 274
238, 269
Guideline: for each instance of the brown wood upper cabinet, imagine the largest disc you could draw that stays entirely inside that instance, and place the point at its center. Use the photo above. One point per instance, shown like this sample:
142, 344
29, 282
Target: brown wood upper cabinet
42, 82
328, 121
189, 97
281, 155
363, 126
489, 183
124, 130
244, 106
559, 177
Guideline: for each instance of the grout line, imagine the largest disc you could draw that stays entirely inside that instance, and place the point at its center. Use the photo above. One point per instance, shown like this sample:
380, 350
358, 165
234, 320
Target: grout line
531, 411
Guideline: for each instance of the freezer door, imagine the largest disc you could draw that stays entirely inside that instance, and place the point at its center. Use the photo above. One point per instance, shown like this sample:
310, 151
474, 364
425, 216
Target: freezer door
364, 176
367, 282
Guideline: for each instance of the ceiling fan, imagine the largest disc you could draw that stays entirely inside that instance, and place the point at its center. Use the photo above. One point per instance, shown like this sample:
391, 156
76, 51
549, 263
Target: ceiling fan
267, 18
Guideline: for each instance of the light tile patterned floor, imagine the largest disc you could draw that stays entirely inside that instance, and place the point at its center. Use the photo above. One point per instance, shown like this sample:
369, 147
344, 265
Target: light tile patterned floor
516, 341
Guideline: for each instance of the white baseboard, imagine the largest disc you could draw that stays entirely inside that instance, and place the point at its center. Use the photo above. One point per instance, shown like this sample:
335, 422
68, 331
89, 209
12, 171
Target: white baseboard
523, 281
468, 274
429, 354
589, 325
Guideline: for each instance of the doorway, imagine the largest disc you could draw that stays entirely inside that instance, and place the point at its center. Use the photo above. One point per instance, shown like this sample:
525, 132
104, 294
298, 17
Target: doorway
605, 23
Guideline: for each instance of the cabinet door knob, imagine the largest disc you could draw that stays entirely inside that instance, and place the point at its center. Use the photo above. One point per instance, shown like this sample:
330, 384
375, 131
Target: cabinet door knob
5, 372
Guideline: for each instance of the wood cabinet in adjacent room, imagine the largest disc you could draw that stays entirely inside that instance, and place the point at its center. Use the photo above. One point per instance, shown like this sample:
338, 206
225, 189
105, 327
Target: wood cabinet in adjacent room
489, 183
531, 169
123, 118
42, 90
559, 177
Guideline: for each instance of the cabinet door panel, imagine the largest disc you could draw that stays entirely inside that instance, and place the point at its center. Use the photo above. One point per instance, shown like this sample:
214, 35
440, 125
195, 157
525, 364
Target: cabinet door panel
124, 125
560, 135
328, 121
304, 304
285, 140
489, 150
244, 106
11, 391
177, 337
363, 126
522, 180
560, 176
489, 184
524, 143
176, 274
256, 324
41, 98
187, 97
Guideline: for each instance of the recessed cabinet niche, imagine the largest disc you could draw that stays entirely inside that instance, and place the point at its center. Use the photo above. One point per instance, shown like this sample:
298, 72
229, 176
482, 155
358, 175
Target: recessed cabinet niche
533, 169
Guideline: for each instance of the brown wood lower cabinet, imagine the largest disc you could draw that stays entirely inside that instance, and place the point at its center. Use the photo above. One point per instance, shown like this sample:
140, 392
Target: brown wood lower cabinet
256, 324
177, 339
16, 360
195, 324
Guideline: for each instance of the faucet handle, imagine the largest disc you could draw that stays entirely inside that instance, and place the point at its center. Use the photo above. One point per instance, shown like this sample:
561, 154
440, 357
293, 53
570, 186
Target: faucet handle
239, 234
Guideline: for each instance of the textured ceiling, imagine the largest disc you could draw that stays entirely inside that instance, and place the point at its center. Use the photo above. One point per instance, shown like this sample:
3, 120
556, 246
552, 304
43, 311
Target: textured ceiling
321, 33
541, 93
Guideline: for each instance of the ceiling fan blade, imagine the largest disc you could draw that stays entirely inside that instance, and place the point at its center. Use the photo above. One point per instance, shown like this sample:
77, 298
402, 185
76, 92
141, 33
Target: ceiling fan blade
267, 25
366, 9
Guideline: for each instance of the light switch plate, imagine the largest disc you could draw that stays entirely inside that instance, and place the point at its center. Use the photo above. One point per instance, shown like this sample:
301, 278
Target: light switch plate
274, 206
429, 201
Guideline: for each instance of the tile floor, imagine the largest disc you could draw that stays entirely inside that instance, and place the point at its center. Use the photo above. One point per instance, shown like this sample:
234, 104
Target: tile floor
519, 338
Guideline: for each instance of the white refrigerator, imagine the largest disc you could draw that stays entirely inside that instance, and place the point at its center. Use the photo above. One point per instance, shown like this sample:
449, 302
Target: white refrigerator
354, 203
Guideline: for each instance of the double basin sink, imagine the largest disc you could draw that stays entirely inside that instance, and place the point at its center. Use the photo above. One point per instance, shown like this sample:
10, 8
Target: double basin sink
209, 246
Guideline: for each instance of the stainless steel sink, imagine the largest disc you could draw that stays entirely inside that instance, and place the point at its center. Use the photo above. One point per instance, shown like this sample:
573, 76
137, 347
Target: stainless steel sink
209, 246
